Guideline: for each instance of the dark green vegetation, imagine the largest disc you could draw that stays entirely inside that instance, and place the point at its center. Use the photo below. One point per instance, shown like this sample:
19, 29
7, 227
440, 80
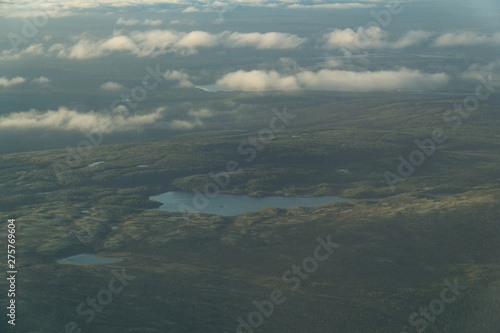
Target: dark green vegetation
201, 275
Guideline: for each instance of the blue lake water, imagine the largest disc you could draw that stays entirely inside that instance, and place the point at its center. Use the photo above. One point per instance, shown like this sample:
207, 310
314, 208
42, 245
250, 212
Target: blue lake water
86, 259
231, 205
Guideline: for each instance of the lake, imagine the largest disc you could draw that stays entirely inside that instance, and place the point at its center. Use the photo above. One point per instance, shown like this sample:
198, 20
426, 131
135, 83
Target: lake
86, 259
231, 205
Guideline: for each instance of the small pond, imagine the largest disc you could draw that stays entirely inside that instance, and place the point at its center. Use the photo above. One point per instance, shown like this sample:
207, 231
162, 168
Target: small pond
86, 259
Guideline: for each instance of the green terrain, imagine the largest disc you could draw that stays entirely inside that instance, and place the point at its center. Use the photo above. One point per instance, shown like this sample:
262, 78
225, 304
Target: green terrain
397, 246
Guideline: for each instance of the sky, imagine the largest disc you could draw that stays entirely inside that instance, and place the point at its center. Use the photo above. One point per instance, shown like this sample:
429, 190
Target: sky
78, 65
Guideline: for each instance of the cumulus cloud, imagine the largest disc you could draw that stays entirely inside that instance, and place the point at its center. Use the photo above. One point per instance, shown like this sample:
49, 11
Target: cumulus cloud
12, 54
338, 80
156, 42
362, 38
184, 124
72, 120
350, 5
7, 83
482, 71
123, 21
180, 76
86, 49
195, 39
258, 80
152, 22
467, 38
41, 80
201, 113
112, 86
371, 38
39, 8
190, 9
413, 38
270, 40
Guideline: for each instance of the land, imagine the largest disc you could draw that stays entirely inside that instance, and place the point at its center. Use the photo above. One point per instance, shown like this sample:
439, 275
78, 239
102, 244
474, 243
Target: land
397, 246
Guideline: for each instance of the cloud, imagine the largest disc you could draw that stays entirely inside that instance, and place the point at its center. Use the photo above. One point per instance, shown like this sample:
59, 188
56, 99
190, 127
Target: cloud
72, 120
413, 38
258, 80
184, 124
182, 77
39, 8
468, 38
362, 38
156, 42
270, 40
195, 39
41, 80
7, 83
86, 49
123, 21
337, 80
350, 5
152, 22
201, 113
191, 9
481, 71
12, 54
371, 38
111, 86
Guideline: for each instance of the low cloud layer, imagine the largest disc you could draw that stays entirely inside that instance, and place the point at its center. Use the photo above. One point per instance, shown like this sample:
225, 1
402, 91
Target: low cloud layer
337, 80
347, 5
157, 42
27, 9
42, 80
468, 38
181, 77
122, 21
270, 40
64, 119
7, 83
72, 120
483, 71
372, 38
112, 86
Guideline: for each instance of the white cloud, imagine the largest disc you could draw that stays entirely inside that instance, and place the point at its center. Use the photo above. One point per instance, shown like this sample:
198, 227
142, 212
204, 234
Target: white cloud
184, 124
201, 113
337, 80
12, 54
7, 83
152, 43
39, 8
350, 5
112, 86
270, 40
467, 38
72, 120
123, 21
86, 49
371, 38
195, 39
191, 9
362, 38
258, 80
152, 22
482, 71
413, 38
182, 77
41, 80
